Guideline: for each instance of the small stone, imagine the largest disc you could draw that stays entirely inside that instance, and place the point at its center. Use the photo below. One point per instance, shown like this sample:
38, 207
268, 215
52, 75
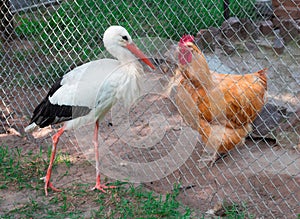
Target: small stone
289, 30
177, 128
278, 45
251, 46
265, 124
287, 12
264, 8
288, 131
206, 35
286, 3
230, 28
205, 40
248, 29
266, 27
276, 22
236, 29
227, 47
13, 131
210, 211
232, 22
214, 31
293, 122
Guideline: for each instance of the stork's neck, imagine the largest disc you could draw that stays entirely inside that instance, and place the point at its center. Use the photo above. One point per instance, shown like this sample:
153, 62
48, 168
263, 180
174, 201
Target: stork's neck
129, 82
132, 67
126, 58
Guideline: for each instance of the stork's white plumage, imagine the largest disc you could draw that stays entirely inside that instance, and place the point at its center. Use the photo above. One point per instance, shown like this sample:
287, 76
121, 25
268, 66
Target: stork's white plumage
87, 93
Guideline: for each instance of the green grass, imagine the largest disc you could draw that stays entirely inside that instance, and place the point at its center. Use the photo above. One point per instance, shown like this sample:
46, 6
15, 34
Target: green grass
236, 211
73, 32
20, 172
136, 202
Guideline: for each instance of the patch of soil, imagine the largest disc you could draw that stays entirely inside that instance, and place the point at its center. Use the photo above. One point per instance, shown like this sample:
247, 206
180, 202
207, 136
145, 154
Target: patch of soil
257, 172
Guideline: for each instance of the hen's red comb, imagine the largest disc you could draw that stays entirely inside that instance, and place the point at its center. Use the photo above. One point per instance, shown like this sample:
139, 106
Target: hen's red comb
186, 39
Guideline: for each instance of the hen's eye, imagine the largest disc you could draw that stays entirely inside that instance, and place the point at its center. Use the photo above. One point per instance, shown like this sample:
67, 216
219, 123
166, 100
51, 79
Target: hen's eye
125, 38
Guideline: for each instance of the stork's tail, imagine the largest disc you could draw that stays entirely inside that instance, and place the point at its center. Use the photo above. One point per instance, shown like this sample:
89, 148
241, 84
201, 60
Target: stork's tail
31, 127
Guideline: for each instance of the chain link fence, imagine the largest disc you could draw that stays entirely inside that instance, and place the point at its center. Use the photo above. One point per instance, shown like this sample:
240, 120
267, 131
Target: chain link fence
261, 176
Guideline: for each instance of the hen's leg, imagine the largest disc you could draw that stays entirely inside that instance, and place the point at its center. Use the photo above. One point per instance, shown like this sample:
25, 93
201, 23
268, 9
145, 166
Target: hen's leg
48, 184
98, 185
208, 158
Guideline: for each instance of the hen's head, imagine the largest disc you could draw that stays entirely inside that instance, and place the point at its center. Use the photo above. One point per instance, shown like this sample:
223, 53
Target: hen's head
185, 52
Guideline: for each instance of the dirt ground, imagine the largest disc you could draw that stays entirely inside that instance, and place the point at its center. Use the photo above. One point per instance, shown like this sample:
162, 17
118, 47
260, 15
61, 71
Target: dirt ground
260, 173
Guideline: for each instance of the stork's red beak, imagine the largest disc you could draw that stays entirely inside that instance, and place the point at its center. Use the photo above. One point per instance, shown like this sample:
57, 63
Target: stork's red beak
139, 54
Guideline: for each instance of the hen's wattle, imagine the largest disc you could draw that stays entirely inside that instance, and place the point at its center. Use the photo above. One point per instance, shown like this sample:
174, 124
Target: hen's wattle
185, 55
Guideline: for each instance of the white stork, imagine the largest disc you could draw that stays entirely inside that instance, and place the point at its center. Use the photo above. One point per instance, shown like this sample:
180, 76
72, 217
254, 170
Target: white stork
85, 94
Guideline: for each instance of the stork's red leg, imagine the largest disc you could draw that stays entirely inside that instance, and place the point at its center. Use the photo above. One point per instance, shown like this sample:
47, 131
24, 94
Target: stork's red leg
98, 185
55, 140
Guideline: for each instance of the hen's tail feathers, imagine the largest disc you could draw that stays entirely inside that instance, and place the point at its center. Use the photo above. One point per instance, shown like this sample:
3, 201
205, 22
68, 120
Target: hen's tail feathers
263, 76
31, 127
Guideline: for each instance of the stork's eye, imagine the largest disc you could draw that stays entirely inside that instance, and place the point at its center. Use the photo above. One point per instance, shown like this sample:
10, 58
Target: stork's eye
125, 38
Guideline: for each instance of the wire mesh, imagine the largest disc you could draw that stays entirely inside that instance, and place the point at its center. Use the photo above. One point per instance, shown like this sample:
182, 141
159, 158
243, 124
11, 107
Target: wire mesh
261, 174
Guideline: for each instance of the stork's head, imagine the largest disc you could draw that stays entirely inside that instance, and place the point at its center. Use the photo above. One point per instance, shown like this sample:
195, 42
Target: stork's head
186, 49
119, 43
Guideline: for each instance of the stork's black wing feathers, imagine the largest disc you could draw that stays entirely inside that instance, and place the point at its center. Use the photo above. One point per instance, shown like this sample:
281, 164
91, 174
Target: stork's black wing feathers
47, 113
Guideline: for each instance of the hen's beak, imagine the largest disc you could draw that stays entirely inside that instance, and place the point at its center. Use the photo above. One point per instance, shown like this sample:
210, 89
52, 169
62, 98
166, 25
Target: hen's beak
139, 54
193, 46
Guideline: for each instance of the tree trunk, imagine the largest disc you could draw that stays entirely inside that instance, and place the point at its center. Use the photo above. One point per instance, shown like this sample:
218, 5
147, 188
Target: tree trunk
226, 9
6, 18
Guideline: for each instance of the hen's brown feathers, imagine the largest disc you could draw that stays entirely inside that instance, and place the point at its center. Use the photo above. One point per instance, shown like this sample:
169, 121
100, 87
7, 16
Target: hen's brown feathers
220, 106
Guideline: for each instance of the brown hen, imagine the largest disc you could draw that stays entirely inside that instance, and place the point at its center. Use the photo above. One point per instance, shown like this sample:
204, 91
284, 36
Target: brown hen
221, 107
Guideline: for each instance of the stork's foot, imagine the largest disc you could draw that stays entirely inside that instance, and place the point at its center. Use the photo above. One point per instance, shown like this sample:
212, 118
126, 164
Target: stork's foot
102, 187
48, 184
